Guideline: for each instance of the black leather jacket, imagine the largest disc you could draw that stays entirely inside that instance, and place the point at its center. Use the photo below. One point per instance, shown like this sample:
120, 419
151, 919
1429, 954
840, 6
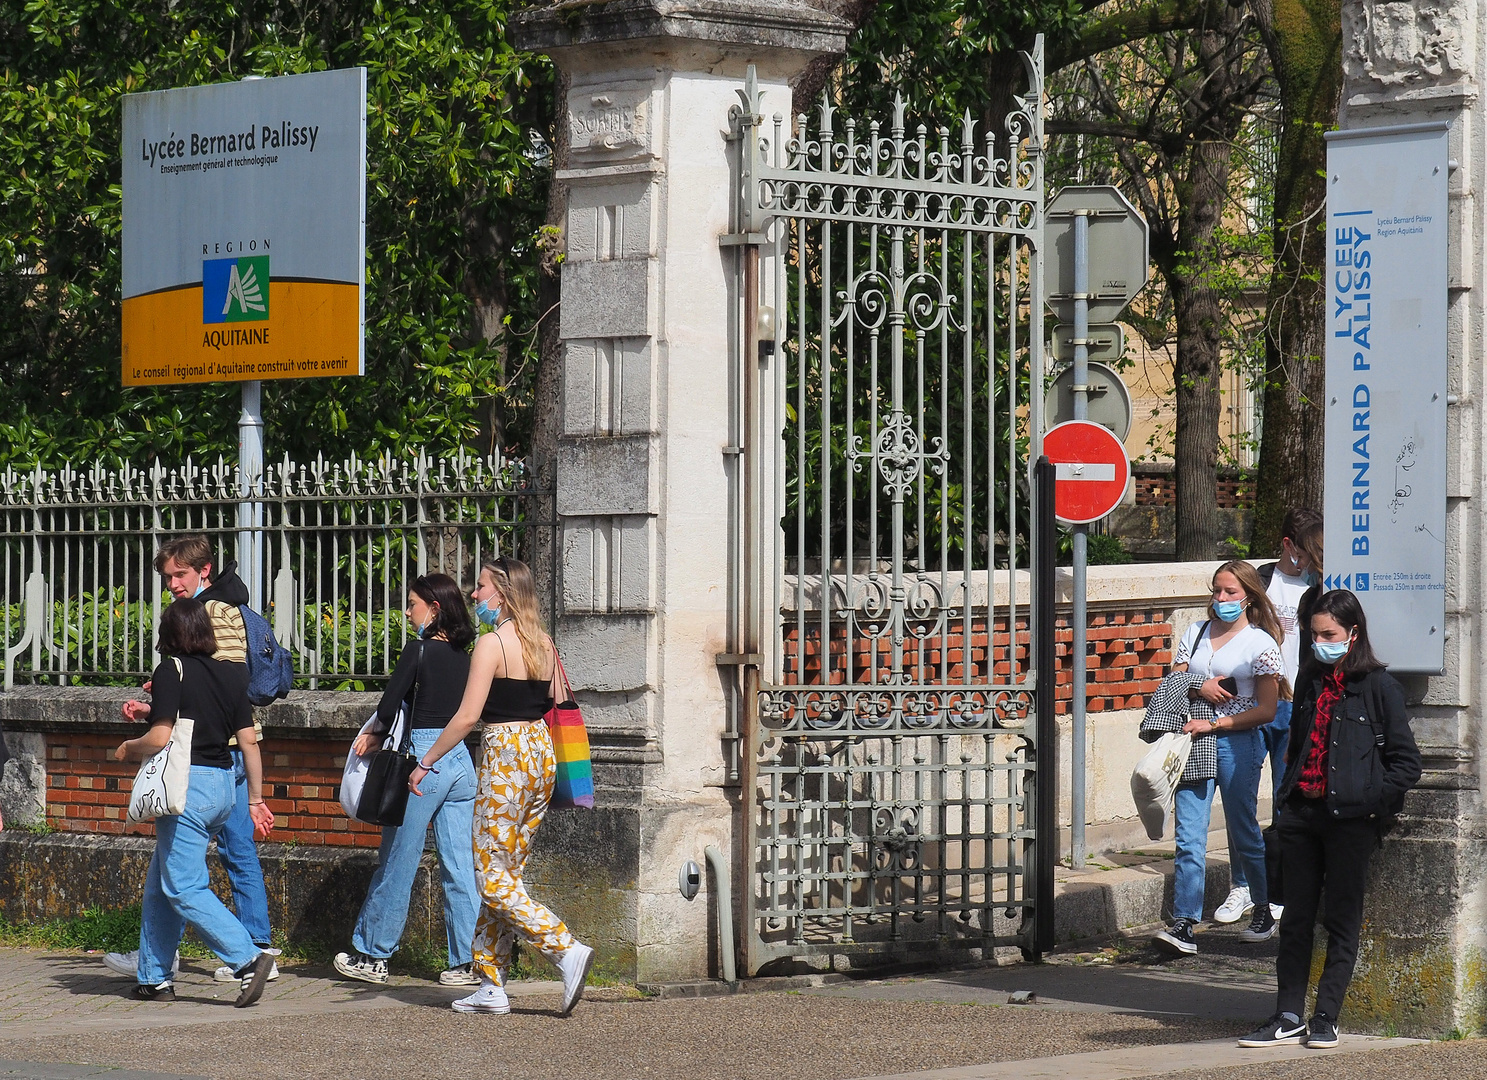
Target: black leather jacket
1372, 759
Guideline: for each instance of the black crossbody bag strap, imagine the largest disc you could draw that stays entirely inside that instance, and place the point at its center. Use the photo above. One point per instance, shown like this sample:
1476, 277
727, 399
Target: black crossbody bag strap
407, 743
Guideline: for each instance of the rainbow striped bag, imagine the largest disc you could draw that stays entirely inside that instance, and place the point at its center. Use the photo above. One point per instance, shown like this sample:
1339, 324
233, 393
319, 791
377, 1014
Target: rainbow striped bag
574, 784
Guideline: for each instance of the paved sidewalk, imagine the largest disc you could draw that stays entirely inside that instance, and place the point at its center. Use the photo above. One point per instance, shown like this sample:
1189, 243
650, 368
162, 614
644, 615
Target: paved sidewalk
1102, 1015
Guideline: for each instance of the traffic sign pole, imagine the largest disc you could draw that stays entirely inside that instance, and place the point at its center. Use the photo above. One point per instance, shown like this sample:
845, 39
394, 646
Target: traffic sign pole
1080, 615
250, 489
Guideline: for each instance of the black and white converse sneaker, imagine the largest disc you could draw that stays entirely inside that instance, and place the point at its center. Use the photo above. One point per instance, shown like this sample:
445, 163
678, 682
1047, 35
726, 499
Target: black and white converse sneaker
1321, 1033
356, 966
1261, 925
1177, 938
1282, 1029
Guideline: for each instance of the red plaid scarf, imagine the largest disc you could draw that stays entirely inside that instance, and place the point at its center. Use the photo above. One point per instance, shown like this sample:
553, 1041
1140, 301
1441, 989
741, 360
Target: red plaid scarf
1313, 779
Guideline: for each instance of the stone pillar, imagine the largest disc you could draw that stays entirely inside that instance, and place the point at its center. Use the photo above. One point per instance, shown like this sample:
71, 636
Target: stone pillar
1423, 962
649, 318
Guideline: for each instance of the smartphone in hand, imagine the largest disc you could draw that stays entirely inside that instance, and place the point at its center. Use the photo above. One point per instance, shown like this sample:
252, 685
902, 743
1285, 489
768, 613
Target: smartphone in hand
1229, 685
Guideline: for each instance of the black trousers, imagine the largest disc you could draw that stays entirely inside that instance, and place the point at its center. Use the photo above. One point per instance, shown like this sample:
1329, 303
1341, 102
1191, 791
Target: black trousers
1320, 852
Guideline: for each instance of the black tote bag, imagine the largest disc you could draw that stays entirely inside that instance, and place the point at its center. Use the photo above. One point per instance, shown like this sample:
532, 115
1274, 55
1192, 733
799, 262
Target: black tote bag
384, 795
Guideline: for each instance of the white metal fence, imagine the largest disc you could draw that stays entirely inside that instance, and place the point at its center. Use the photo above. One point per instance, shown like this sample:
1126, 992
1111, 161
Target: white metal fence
334, 543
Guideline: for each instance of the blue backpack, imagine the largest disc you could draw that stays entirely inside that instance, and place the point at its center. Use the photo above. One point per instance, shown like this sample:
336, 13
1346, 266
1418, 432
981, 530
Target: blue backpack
270, 669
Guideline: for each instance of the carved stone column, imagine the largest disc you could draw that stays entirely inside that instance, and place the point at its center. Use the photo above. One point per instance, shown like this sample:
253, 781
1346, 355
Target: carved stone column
1424, 945
649, 311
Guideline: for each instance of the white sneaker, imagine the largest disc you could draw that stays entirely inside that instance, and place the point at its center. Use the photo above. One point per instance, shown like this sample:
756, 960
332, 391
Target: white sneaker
463, 975
490, 998
1275, 911
357, 966
127, 963
1236, 907
224, 973
574, 966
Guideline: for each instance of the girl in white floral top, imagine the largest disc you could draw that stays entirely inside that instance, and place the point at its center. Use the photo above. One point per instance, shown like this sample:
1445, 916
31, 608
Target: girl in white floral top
1240, 641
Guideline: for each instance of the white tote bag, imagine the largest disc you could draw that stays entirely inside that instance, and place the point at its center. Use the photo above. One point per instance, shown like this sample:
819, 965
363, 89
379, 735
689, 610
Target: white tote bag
354, 775
1154, 783
162, 782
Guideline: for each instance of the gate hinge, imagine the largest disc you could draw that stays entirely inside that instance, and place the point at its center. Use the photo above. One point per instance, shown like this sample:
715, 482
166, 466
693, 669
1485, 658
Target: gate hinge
740, 239
733, 451
735, 659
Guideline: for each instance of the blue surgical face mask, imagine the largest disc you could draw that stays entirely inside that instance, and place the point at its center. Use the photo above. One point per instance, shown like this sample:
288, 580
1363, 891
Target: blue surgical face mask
1228, 610
1330, 652
422, 628
200, 588
487, 614
1311, 578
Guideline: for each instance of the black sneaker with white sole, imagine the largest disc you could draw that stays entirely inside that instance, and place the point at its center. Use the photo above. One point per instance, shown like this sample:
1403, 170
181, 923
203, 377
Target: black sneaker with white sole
1282, 1029
163, 992
1261, 925
1321, 1033
1177, 938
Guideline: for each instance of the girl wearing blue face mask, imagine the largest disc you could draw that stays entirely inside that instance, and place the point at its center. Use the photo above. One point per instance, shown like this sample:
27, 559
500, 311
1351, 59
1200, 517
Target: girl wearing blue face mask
1351, 758
1240, 641
428, 683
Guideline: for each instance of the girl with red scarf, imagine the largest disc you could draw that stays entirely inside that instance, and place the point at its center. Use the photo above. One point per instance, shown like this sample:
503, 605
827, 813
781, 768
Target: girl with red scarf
1351, 758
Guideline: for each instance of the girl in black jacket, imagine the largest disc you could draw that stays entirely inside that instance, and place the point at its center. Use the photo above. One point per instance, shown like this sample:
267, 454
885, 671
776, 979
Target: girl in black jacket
1352, 757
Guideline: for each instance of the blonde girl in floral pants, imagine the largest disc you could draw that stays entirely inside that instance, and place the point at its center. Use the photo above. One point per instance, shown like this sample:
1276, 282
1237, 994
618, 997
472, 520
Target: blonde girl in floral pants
513, 683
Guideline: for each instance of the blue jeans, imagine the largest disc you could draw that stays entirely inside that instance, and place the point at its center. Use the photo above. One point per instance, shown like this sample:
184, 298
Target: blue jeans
448, 801
178, 887
239, 856
1192, 805
1241, 756
1275, 736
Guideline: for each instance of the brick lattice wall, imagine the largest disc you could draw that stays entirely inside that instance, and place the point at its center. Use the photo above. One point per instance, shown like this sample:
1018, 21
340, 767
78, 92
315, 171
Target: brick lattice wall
1129, 652
1158, 487
87, 791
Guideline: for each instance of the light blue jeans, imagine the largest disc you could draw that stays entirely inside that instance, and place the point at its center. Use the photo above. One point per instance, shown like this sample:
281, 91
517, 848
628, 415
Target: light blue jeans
1239, 757
1275, 735
178, 887
239, 856
448, 801
1192, 805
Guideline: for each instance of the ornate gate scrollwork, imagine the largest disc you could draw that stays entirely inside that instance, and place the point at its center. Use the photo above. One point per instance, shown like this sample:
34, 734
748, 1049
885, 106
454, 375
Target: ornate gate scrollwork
889, 754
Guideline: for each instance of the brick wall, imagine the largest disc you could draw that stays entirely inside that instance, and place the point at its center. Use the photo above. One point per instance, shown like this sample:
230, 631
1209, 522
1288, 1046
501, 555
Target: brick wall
89, 792
1156, 485
1129, 652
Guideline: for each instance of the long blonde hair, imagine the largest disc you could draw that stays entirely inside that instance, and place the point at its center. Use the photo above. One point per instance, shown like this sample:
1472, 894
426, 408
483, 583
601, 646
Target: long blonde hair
519, 592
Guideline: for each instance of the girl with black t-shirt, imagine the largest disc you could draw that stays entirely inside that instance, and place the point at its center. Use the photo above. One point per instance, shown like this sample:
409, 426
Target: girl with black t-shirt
214, 694
431, 673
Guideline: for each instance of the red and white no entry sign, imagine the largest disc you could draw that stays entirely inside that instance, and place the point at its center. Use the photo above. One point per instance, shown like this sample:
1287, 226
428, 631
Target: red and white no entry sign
1091, 471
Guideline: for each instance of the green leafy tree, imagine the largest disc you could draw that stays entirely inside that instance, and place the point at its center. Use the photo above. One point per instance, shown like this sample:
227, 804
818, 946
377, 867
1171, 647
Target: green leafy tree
1304, 39
458, 125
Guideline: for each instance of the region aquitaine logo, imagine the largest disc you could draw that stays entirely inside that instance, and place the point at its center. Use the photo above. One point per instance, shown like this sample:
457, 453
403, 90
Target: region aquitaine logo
234, 290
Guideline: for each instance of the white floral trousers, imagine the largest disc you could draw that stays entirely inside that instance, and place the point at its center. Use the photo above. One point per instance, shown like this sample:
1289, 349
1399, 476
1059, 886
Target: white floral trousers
516, 778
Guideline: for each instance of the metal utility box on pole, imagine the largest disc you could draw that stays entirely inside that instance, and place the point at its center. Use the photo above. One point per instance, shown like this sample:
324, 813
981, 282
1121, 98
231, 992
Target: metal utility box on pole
1096, 263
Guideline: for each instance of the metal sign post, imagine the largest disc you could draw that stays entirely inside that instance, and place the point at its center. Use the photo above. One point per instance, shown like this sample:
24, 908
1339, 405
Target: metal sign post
1120, 270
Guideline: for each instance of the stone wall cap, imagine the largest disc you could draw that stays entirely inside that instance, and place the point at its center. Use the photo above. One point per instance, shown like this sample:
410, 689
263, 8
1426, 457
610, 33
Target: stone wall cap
783, 24
68, 706
1158, 585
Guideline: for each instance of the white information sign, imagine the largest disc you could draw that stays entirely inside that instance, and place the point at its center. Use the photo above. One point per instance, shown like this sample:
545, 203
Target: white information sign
1386, 385
244, 229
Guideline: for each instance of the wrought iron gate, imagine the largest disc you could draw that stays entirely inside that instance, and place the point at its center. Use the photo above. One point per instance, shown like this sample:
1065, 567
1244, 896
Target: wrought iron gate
889, 755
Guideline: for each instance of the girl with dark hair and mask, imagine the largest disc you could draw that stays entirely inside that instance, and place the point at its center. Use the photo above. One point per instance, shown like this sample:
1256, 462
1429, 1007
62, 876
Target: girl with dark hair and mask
429, 681
1350, 760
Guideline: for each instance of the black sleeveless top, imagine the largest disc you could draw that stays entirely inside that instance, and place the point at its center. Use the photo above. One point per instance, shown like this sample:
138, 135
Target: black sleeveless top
516, 699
